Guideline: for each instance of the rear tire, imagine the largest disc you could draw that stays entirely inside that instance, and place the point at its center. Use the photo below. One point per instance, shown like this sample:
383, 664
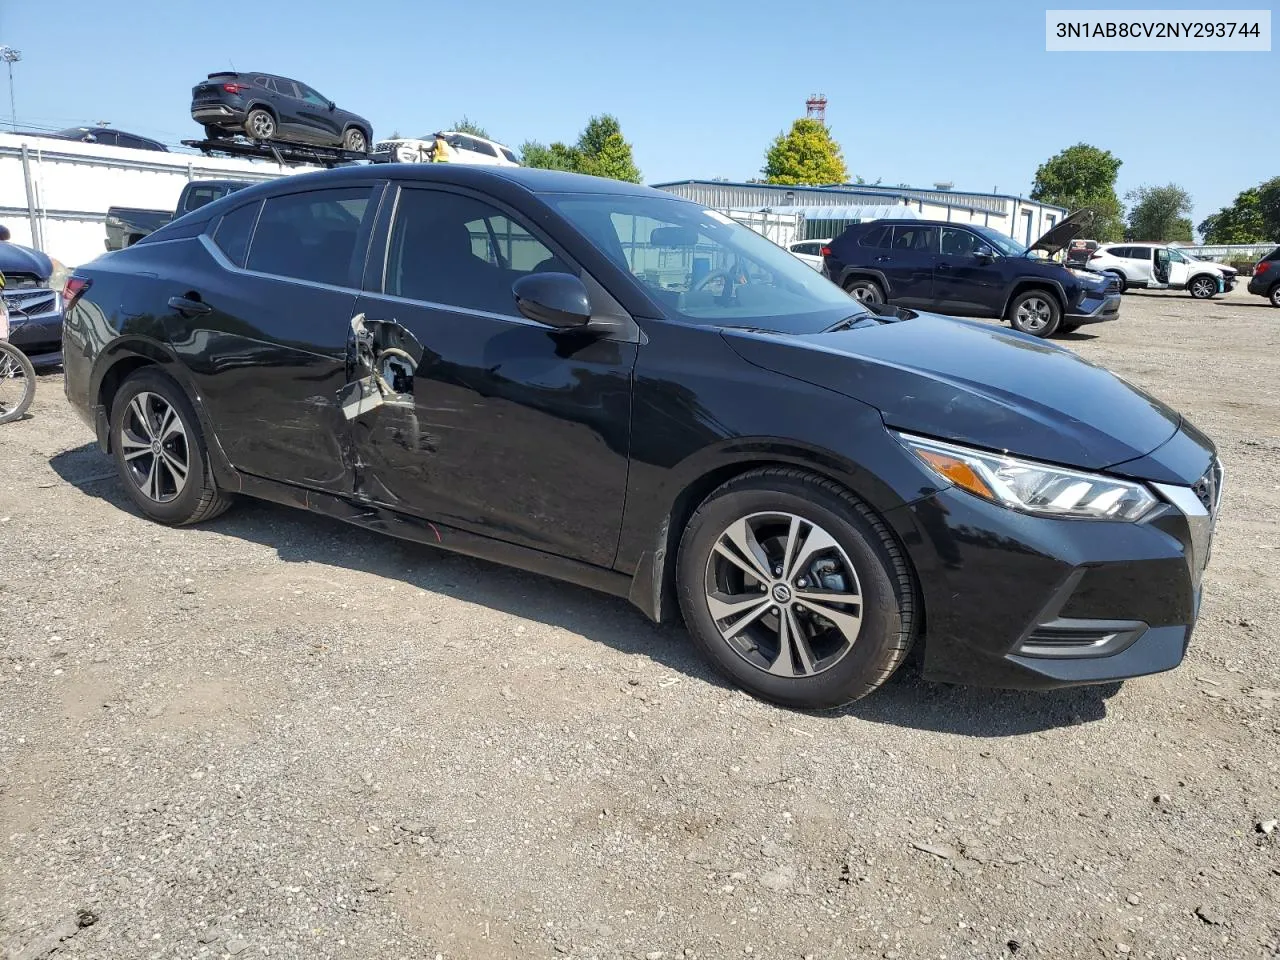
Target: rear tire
1202, 287
1274, 296
1124, 281
1035, 312
864, 291
818, 659
17, 383
214, 133
160, 452
259, 124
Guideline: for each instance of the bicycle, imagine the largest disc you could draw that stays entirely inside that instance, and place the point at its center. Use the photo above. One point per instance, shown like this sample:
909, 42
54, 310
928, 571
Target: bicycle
17, 375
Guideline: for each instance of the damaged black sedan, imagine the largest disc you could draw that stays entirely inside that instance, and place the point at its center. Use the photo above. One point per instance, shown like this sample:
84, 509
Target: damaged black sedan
616, 387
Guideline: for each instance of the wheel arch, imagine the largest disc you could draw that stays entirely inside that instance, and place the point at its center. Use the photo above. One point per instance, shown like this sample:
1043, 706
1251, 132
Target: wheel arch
1203, 275
1035, 283
653, 584
864, 273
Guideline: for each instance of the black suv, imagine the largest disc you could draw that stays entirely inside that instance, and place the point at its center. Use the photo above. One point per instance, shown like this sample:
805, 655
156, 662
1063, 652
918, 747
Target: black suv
1265, 281
266, 107
108, 138
971, 270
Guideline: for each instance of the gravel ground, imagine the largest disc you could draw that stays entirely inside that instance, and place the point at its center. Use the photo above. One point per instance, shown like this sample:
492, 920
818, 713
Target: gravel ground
277, 735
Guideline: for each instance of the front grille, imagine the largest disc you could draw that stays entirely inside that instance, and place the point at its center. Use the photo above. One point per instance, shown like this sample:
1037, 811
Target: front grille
27, 302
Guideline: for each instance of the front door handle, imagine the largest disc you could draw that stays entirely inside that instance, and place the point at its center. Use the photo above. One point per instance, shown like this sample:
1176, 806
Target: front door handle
189, 307
883, 259
944, 266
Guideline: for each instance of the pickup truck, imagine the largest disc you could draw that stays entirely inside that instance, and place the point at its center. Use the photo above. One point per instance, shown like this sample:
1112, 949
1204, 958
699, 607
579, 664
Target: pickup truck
127, 225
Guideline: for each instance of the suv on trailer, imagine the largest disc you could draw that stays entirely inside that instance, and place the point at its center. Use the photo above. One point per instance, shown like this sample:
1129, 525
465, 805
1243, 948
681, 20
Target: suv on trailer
1265, 281
105, 136
971, 270
1158, 266
263, 106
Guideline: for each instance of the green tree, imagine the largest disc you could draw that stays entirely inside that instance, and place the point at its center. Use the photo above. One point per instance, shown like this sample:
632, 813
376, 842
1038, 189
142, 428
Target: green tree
601, 151
1083, 176
466, 125
805, 154
1159, 213
1239, 223
1269, 207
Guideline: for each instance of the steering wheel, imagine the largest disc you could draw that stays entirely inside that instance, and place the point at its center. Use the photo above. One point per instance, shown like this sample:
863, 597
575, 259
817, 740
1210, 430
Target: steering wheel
706, 280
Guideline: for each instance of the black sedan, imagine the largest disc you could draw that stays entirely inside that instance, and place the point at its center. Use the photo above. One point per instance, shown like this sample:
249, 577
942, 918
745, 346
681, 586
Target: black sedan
266, 107
620, 388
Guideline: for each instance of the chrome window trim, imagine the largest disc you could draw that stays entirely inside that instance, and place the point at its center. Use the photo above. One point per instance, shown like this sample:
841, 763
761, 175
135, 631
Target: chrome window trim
226, 264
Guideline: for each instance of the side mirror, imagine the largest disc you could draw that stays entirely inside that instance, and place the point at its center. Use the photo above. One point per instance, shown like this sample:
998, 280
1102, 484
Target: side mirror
332, 105
985, 255
558, 300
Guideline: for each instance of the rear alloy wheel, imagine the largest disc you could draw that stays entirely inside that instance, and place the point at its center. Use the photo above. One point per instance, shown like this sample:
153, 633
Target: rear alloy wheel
1202, 287
865, 291
795, 589
1275, 295
354, 141
1124, 281
160, 453
260, 124
1035, 312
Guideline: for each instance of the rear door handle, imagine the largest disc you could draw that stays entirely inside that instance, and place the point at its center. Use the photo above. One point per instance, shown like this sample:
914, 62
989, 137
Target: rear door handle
944, 266
883, 259
188, 307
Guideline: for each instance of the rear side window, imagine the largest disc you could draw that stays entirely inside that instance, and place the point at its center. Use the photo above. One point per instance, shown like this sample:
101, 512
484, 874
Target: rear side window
509, 155
310, 236
1121, 252
1139, 253
913, 238
233, 232
876, 237
485, 148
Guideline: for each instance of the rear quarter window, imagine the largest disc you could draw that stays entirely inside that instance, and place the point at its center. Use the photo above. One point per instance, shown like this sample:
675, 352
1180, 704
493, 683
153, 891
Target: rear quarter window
875, 237
232, 233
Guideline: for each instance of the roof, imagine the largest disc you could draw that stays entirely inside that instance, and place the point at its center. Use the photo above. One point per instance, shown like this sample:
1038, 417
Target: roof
842, 211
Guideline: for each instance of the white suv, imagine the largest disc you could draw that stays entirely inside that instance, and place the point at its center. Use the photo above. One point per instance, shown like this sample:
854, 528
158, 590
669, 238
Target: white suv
808, 251
463, 148
1161, 267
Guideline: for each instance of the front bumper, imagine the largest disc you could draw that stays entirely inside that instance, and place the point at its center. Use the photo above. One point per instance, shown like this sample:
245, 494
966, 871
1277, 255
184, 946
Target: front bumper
35, 324
1093, 308
1013, 600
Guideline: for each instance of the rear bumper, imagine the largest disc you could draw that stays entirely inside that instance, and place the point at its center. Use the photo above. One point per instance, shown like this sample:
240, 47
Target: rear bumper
1012, 600
217, 115
1096, 309
1262, 283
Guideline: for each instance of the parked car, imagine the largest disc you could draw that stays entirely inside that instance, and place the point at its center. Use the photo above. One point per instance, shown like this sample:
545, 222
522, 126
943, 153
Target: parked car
1158, 266
1079, 251
972, 270
263, 106
107, 137
127, 225
463, 148
33, 298
808, 251
618, 387
1265, 281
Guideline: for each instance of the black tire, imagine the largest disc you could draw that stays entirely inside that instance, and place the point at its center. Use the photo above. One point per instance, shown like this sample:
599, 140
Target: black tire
353, 139
1035, 312
197, 499
864, 290
1274, 295
882, 580
214, 133
1124, 281
17, 383
1203, 286
260, 124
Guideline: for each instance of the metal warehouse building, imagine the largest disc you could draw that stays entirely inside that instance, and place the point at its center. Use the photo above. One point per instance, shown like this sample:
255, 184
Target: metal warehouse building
828, 210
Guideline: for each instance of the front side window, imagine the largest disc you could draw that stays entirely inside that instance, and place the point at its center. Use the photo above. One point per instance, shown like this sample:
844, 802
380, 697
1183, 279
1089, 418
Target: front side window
959, 243
1003, 243
312, 97
233, 232
310, 236
705, 268
461, 252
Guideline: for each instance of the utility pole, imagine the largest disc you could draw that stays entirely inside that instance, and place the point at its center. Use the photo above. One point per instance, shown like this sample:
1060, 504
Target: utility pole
11, 56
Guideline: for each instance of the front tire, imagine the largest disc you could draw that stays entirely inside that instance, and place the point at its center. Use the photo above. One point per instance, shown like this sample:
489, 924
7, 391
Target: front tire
795, 590
864, 291
1036, 312
354, 140
17, 383
160, 452
1202, 287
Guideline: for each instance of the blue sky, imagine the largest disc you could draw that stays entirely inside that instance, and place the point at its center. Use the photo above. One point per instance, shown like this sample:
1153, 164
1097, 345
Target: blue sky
918, 91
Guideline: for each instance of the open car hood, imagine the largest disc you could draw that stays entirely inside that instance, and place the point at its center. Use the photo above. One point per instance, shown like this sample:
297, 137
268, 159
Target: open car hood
1061, 234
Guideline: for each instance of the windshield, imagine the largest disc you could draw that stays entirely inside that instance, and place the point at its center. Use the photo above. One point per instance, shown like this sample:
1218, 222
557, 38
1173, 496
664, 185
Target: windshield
705, 268
1004, 244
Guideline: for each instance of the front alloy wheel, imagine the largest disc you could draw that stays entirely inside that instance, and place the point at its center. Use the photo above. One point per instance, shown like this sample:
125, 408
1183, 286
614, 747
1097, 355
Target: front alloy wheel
1202, 288
783, 594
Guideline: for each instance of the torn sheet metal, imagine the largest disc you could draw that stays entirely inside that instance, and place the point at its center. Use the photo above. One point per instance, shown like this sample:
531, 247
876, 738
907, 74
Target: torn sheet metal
385, 357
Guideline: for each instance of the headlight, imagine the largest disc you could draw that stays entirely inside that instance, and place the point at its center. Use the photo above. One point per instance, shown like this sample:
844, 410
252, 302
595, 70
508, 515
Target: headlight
1085, 274
1031, 487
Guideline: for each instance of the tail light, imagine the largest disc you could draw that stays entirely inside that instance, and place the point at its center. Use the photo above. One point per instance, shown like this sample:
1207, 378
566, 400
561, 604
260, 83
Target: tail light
73, 290
235, 87
825, 251
1262, 267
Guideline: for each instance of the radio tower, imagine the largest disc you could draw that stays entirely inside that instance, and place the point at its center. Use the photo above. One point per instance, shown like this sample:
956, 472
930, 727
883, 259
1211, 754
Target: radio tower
815, 108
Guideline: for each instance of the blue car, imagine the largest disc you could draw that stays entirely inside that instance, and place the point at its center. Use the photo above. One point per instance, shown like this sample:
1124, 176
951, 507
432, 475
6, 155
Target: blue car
35, 306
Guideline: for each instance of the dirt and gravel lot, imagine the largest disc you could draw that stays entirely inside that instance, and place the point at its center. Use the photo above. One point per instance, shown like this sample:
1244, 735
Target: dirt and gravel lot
277, 735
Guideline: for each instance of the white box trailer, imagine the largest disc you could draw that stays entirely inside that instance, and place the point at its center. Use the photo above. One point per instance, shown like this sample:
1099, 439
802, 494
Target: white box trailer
54, 194
781, 228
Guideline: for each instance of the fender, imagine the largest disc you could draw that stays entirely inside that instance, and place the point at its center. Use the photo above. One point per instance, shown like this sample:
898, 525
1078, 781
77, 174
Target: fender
866, 273
139, 351
1024, 283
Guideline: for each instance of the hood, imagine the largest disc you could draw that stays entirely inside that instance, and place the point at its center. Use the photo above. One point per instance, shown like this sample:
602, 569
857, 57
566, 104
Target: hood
16, 259
1063, 233
977, 384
